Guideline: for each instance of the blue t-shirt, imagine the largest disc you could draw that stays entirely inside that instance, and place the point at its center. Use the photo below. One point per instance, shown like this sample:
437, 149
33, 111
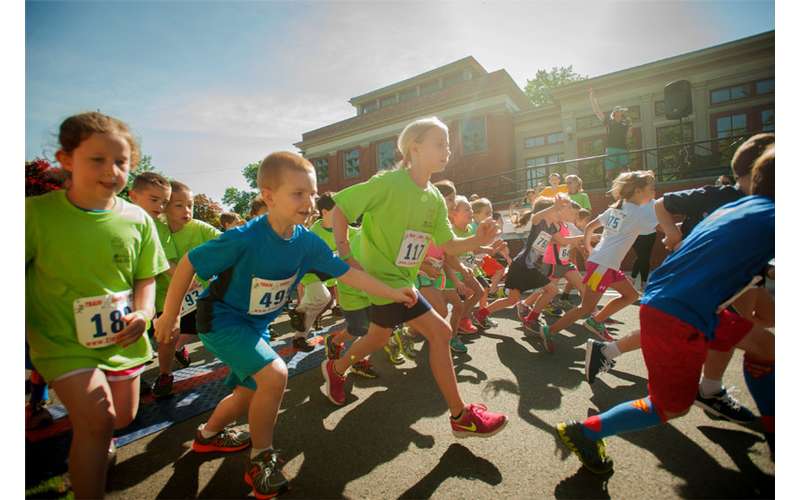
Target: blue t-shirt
697, 204
718, 258
264, 270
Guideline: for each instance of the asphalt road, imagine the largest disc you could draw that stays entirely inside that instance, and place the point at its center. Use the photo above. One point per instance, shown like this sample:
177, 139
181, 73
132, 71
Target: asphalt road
393, 440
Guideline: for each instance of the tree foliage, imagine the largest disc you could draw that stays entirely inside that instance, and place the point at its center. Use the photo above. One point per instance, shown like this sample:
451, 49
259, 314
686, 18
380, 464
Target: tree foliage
538, 89
238, 200
207, 210
41, 177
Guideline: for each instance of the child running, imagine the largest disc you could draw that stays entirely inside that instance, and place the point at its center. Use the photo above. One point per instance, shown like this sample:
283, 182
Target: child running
249, 292
91, 259
187, 233
678, 325
402, 212
632, 214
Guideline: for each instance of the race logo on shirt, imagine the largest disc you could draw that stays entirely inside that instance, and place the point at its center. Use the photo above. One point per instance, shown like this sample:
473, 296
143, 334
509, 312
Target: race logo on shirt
119, 251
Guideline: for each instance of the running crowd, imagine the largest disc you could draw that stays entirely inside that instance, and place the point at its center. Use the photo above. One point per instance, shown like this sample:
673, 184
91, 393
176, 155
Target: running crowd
403, 259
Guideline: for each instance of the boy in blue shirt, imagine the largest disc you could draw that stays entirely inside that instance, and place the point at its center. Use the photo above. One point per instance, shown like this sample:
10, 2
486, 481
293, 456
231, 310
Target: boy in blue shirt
256, 267
719, 258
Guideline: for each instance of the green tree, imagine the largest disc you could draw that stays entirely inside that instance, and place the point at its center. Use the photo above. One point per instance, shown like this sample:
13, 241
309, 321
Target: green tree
238, 200
538, 89
207, 210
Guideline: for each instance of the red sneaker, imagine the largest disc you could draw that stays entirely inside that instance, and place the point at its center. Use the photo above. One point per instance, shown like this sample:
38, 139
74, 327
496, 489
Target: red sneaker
334, 383
479, 422
481, 315
465, 326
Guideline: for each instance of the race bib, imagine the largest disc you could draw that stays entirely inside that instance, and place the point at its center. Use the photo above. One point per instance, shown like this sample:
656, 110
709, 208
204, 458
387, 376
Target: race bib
190, 299
267, 296
412, 249
563, 253
615, 219
541, 242
99, 319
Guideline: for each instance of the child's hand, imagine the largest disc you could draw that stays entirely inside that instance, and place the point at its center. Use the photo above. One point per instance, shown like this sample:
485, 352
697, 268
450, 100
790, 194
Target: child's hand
406, 296
166, 328
463, 290
136, 325
672, 241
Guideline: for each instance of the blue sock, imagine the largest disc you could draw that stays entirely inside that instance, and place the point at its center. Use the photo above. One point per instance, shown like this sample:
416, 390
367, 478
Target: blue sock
760, 379
629, 416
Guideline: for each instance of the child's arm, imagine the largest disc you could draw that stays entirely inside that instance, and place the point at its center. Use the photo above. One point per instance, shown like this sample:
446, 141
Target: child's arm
587, 233
357, 278
340, 236
485, 234
672, 234
171, 271
144, 296
168, 321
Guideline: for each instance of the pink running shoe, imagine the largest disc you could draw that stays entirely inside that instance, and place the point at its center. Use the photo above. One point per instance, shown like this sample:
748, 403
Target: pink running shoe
334, 383
479, 422
465, 326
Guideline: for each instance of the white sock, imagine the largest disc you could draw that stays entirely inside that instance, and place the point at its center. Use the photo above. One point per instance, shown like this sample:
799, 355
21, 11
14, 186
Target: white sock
611, 350
206, 434
254, 452
709, 387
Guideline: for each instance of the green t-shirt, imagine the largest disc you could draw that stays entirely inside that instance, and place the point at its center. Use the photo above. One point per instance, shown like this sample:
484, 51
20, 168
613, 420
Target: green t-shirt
582, 199
162, 280
190, 236
399, 220
73, 254
327, 236
353, 299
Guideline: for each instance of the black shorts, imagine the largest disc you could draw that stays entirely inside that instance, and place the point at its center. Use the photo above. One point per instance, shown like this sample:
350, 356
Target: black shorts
521, 278
394, 314
188, 324
556, 271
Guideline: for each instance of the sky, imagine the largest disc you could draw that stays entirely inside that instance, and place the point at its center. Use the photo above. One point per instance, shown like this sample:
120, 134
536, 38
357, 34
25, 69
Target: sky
208, 87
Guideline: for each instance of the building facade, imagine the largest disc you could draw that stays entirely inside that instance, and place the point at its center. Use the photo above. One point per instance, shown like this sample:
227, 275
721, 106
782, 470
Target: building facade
501, 145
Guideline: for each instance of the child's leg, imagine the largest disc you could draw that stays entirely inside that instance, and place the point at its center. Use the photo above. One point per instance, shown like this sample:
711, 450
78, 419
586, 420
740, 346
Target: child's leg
452, 297
496, 278
315, 299
531, 299
548, 293
759, 374
477, 290
506, 302
588, 302
438, 334
265, 402
375, 339
125, 394
87, 397
628, 297
231, 408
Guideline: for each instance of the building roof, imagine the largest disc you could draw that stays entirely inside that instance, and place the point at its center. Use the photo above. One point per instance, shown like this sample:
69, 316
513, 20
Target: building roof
468, 62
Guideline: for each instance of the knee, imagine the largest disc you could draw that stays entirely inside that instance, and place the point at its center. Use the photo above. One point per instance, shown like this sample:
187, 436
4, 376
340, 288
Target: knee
98, 421
272, 376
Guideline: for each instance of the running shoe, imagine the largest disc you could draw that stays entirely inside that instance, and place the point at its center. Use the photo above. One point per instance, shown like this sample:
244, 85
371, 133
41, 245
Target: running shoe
228, 440
392, 349
162, 387
553, 311
486, 324
301, 344
334, 383
405, 340
364, 369
457, 346
182, 356
37, 416
598, 328
332, 349
547, 339
591, 453
724, 405
466, 327
479, 422
596, 361
523, 310
297, 320
534, 326
264, 475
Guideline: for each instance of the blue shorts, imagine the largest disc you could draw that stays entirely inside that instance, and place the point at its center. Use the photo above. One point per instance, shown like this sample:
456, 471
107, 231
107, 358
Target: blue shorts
244, 350
617, 158
357, 321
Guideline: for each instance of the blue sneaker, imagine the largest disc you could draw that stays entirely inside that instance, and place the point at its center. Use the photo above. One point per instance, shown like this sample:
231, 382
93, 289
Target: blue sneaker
457, 346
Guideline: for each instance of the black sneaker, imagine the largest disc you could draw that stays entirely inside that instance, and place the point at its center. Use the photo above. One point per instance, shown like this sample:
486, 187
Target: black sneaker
336, 311
162, 387
264, 475
297, 320
182, 356
724, 405
591, 453
301, 344
595, 361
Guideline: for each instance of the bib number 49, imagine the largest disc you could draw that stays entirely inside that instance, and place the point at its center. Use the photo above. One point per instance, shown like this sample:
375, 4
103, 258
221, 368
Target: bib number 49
267, 296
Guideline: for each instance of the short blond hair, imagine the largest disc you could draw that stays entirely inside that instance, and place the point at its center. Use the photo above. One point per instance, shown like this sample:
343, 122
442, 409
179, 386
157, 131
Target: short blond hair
480, 204
272, 167
414, 132
460, 200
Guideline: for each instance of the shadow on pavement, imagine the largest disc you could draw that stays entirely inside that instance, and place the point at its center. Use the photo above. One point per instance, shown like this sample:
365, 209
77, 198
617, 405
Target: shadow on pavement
583, 484
457, 461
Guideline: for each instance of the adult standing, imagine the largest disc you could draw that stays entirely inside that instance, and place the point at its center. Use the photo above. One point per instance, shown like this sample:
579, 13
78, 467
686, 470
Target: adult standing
618, 130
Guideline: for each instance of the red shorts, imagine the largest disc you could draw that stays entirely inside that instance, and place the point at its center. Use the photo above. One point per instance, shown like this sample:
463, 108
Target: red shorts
675, 351
598, 278
490, 265
111, 375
